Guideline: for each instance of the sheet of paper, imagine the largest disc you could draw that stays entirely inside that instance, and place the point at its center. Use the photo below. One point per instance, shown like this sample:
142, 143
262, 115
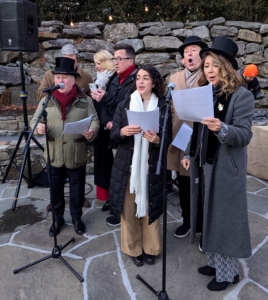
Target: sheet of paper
77, 127
147, 120
194, 104
182, 138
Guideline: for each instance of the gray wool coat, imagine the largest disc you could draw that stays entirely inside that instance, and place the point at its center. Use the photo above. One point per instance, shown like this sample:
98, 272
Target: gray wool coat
225, 224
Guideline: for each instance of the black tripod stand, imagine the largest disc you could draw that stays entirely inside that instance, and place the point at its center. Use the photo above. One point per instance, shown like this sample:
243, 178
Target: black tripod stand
25, 134
56, 251
162, 295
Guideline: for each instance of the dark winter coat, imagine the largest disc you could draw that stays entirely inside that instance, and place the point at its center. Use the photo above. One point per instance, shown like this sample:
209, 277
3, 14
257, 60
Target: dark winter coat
103, 155
225, 225
123, 159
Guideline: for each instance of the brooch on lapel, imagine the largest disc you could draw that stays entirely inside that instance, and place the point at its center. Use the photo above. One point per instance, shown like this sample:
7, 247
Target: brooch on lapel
220, 107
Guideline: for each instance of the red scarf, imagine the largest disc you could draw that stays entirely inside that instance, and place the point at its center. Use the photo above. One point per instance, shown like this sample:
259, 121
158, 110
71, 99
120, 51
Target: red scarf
65, 99
126, 73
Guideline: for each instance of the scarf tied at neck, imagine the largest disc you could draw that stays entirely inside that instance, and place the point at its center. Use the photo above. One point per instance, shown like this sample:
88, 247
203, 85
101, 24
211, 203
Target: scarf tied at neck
65, 99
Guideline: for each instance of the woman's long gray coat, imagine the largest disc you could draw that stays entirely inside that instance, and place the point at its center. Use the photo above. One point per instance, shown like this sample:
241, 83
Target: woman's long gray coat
225, 225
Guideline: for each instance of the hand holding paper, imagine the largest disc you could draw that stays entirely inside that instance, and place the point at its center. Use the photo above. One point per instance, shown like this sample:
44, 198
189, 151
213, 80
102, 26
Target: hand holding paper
185, 163
194, 104
151, 137
213, 124
130, 130
78, 127
88, 134
146, 120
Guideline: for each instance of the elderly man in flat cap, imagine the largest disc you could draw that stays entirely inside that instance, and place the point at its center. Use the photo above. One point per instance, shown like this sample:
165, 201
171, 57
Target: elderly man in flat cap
82, 80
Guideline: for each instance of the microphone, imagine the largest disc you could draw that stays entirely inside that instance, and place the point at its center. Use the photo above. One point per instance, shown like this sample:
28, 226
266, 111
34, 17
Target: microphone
54, 87
171, 87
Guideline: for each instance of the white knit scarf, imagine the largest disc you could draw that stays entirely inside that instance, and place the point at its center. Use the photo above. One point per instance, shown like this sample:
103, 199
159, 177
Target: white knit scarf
138, 177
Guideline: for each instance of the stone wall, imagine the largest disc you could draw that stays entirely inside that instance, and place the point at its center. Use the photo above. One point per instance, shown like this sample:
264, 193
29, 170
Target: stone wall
155, 43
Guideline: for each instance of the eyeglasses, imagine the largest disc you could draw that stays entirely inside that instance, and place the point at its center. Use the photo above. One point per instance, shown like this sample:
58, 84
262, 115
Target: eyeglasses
116, 59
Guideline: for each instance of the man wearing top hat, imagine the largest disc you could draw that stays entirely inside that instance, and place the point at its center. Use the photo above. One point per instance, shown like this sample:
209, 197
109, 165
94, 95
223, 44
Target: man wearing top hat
82, 80
185, 79
68, 153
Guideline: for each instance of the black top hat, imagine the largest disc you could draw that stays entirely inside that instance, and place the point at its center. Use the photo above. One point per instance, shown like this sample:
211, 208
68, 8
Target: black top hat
224, 46
192, 40
65, 65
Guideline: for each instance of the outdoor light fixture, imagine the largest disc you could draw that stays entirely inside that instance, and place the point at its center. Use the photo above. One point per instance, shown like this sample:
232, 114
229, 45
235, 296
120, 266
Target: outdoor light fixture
110, 15
146, 9
71, 23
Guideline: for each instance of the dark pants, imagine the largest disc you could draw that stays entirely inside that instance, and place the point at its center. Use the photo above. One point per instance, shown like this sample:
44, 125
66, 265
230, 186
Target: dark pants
184, 193
254, 87
76, 189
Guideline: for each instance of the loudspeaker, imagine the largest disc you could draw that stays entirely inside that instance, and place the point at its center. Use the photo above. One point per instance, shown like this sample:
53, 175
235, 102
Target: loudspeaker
19, 25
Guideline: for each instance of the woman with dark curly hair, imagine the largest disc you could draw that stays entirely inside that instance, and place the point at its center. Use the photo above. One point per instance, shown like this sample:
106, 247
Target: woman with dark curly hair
135, 189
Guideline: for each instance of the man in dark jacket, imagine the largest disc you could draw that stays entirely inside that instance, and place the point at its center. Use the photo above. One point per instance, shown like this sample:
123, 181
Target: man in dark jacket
117, 91
185, 79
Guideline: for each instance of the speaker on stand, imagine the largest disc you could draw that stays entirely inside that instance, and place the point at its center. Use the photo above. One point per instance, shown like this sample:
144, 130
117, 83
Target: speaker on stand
19, 32
19, 26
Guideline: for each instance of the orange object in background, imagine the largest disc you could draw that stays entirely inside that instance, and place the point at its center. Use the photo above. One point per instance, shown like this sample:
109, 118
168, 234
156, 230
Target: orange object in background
251, 70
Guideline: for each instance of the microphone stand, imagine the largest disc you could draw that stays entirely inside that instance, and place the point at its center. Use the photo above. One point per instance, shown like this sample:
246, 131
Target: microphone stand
56, 251
162, 295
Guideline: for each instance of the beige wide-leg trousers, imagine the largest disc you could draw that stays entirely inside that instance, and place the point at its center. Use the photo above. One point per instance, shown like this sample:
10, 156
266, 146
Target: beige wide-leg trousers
136, 235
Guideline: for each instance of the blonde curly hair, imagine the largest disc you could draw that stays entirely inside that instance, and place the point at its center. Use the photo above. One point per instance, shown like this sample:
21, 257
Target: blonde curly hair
230, 79
103, 58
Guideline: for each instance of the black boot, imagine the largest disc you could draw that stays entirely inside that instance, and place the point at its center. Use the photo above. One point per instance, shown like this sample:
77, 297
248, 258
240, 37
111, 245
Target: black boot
105, 206
221, 286
259, 96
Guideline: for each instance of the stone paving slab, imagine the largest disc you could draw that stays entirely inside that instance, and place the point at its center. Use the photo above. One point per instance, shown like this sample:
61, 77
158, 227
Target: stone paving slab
105, 275
109, 273
264, 192
48, 280
258, 226
92, 246
251, 292
10, 193
36, 236
254, 184
256, 273
257, 204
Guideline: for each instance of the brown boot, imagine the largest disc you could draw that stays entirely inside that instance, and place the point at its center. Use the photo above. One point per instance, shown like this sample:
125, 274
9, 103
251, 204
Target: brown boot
49, 207
86, 203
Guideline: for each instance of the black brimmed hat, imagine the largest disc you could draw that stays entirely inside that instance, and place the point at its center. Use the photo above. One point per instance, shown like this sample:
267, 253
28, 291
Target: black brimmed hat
192, 40
65, 65
224, 46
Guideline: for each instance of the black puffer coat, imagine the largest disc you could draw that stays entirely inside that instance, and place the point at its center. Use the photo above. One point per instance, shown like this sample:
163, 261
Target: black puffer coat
123, 159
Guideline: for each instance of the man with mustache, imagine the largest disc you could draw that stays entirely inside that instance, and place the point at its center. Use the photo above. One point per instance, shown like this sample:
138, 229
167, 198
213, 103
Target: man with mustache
185, 79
